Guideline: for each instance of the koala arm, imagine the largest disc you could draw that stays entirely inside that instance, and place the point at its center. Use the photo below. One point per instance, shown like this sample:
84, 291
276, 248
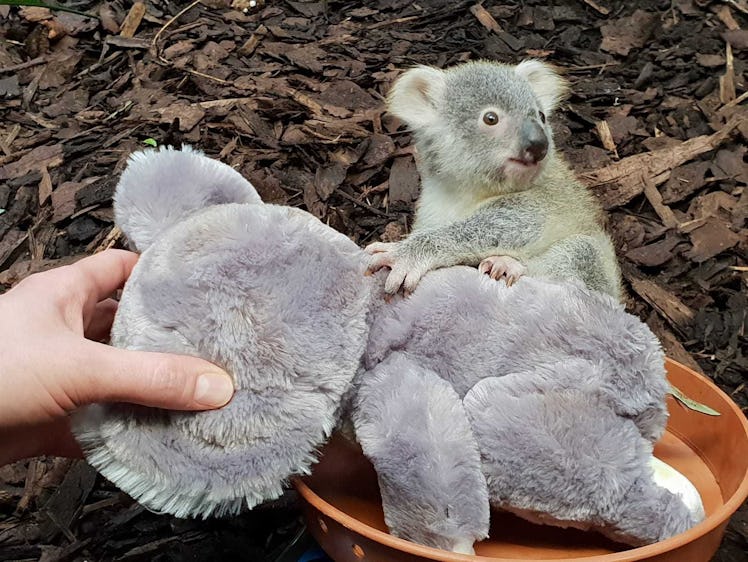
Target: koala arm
495, 229
587, 258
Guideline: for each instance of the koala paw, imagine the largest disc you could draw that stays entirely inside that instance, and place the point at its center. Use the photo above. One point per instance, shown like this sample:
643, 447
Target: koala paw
406, 271
503, 266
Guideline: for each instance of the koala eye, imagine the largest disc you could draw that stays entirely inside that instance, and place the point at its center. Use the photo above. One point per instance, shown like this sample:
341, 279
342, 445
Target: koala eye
490, 118
542, 117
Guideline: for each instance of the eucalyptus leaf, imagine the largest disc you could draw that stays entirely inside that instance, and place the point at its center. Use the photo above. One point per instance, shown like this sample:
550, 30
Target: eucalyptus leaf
692, 404
150, 142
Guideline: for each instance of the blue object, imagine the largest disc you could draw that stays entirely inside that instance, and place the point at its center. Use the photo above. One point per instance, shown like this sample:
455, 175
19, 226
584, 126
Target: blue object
315, 555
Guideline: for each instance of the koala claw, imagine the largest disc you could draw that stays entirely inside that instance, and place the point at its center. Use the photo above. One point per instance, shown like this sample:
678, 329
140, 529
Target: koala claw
380, 247
406, 273
404, 277
503, 266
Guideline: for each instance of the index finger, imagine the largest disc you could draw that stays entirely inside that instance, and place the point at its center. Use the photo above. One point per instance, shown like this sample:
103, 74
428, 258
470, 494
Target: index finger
103, 273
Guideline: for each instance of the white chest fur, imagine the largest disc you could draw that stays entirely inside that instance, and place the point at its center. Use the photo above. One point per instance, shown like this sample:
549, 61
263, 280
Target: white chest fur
441, 204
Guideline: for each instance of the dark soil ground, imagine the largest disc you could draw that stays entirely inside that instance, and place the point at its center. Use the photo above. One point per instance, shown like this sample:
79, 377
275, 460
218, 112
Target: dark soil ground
290, 93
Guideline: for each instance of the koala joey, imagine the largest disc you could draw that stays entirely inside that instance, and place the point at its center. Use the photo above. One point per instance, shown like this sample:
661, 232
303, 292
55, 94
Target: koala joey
494, 191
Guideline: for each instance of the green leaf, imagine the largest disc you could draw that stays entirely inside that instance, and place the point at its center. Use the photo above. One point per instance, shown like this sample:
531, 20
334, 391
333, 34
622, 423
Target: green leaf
39, 4
692, 404
150, 142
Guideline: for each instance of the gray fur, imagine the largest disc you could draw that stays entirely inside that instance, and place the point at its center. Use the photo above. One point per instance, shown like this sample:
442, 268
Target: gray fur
439, 497
466, 393
474, 202
226, 284
592, 483
160, 188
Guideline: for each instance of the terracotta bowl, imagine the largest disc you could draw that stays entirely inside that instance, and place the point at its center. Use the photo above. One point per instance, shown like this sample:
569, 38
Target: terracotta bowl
344, 513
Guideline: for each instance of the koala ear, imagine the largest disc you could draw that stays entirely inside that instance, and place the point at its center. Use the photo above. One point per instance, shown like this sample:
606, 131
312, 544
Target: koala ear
549, 87
415, 95
161, 187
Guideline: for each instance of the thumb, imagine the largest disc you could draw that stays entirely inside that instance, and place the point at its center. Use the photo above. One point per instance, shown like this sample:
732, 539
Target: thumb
174, 382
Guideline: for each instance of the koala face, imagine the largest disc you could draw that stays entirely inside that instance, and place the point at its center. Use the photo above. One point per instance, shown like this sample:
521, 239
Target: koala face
483, 122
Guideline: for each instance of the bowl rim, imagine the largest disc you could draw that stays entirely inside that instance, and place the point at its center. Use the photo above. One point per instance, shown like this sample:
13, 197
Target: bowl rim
719, 517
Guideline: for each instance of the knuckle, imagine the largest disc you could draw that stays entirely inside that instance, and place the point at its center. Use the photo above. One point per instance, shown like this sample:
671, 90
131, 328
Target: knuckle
166, 379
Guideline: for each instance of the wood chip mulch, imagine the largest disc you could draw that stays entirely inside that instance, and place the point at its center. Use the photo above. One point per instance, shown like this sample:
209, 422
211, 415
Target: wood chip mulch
290, 93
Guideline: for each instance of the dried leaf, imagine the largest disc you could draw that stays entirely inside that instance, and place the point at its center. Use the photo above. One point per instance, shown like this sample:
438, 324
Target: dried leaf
655, 254
45, 186
606, 138
188, 114
684, 181
404, 181
63, 198
486, 19
347, 94
624, 34
710, 239
108, 18
381, 147
710, 61
328, 179
49, 156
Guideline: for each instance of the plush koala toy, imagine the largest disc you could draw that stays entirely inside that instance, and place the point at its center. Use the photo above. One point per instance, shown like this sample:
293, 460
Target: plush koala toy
542, 398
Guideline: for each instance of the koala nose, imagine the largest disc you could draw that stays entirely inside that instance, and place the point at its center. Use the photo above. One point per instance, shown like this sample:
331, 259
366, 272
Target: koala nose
534, 142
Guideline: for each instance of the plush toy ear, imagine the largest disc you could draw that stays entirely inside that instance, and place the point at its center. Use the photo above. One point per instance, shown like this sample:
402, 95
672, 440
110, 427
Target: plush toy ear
549, 87
415, 95
161, 187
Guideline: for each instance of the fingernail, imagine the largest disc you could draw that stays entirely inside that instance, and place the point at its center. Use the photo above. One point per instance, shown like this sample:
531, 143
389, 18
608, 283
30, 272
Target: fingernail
214, 389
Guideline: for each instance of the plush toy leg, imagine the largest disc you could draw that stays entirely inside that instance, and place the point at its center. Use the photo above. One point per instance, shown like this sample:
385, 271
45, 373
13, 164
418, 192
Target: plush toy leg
566, 458
667, 477
412, 426
634, 390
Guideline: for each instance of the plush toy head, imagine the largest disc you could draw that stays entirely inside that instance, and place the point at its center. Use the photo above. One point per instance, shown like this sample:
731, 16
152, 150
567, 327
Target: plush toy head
219, 278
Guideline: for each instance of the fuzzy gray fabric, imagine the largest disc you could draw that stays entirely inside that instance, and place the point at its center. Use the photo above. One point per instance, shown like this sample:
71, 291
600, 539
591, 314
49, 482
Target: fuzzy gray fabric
544, 398
230, 283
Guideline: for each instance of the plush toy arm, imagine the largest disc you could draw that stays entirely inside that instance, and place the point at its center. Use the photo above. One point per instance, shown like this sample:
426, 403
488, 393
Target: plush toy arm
564, 457
412, 426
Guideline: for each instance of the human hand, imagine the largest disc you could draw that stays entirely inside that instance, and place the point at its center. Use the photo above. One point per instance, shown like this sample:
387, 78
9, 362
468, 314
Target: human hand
51, 361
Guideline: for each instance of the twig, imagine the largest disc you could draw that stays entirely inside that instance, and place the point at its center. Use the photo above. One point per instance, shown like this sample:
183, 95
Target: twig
23, 65
602, 66
39, 4
655, 199
115, 235
366, 206
597, 7
391, 22
739, 5
172, 20
167, 61
738, 100
486, 19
